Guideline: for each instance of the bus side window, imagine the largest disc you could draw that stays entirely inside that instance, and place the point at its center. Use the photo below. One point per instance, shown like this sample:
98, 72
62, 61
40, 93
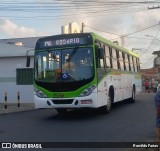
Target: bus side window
123, 55
108, 57
114, 59
118, 62
129, 63
110, 50
126, 62
138, 65
121, 60
135, 64
100, 57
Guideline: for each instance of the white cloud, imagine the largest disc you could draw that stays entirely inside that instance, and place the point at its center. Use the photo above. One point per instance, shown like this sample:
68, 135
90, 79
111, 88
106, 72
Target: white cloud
146, 18
142, 20
119, 19
12, 30
107, 23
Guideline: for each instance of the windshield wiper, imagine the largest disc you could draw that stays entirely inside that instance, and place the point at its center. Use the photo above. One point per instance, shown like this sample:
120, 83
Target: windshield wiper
72, 54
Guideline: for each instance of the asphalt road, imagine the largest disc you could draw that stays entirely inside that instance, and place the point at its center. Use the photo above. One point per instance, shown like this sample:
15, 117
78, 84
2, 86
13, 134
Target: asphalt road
126, 123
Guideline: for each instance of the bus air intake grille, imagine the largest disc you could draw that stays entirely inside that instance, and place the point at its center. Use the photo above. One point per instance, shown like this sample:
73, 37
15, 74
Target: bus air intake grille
68, 101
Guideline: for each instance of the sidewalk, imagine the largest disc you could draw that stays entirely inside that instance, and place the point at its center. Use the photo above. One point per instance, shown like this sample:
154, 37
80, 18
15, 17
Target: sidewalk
13, 107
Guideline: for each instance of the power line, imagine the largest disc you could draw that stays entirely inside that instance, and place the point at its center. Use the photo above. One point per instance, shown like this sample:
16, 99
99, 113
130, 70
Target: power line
68, 16
136, 31
150, 44
110, 7
50, 8
83, 1
101, 30
139, 38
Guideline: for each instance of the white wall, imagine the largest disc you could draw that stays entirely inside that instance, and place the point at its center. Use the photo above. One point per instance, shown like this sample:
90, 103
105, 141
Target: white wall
8, 66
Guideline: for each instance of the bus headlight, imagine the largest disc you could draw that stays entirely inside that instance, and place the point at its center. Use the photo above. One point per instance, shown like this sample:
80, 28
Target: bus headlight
39, 93
88, 91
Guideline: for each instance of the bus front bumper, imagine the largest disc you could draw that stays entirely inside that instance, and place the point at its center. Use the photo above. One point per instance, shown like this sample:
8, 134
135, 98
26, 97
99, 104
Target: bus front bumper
78, 102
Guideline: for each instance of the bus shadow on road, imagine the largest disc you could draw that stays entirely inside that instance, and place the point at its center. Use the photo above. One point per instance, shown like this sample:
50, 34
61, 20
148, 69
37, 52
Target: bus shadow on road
87, 113
121, 104
76, 114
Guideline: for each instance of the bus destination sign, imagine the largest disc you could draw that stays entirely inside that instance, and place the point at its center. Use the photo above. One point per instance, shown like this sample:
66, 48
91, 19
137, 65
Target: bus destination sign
63, 41
49, 43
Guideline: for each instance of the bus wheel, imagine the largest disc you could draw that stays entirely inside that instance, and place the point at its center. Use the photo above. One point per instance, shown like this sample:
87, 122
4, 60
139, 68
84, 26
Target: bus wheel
107, 108
61, 111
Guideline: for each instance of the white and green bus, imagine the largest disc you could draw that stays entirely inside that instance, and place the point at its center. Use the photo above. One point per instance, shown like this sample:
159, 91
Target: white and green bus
83, 70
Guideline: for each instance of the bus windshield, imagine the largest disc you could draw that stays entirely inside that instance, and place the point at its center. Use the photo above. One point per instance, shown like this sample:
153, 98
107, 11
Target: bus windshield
65, 65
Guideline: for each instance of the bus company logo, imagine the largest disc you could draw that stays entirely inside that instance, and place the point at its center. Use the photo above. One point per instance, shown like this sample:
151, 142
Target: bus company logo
58, 95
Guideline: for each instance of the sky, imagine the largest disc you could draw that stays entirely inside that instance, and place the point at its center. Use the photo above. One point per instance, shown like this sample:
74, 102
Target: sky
126, 21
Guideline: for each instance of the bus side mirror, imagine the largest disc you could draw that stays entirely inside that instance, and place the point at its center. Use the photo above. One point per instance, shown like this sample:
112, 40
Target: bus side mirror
28, 61
100, 53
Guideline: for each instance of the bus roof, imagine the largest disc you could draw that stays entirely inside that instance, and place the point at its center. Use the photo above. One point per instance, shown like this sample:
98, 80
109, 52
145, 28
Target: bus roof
95, 36
114, 45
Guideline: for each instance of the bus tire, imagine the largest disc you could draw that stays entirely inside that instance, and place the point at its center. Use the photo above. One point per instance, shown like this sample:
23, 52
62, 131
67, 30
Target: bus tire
107, 108
132, 99
61, 111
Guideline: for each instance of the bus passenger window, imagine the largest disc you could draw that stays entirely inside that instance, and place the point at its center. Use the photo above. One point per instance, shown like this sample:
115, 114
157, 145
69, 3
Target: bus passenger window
135, 64
118, 62
126, 62
138, 65
108, 56
121, 60
101, 63
114, 59
123, 55
100, 57
131, 63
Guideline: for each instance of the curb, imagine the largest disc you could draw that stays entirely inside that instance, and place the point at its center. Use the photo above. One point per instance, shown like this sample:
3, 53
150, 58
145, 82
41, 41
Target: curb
12, 108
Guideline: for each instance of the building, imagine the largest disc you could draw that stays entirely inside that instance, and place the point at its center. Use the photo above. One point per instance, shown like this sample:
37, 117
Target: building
156, 59
26, 42
154, 72
14, 75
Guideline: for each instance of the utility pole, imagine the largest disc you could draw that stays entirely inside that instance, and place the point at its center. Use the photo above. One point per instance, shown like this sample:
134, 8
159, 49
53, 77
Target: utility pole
154, 7
83, 27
